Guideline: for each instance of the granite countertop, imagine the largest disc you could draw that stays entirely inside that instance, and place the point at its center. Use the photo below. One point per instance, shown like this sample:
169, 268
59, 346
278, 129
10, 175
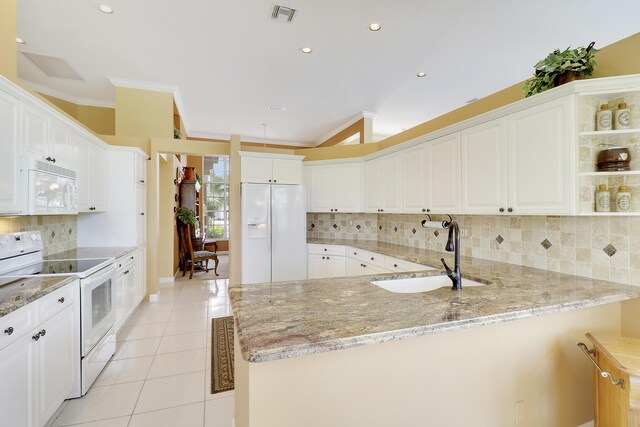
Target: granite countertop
91, 252
22, 291
289, 319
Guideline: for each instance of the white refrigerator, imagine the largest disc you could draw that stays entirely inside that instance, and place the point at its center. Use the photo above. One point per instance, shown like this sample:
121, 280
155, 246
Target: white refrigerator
274, 236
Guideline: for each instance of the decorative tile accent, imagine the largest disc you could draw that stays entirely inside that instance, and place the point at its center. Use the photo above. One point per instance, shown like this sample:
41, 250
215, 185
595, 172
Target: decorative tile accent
313, 225
413, 231
610, 250
499, 239
335, 226
380, 227
395, 229
70, 231
59, 231
546, 244
53, 234
358, 227
436, 233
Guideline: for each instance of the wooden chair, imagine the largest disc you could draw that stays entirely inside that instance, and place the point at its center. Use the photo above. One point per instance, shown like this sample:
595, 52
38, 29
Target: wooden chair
194, 256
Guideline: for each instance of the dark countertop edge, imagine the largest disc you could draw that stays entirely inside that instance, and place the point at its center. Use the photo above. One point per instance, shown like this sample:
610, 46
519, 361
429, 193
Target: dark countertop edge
397, 335
64, 280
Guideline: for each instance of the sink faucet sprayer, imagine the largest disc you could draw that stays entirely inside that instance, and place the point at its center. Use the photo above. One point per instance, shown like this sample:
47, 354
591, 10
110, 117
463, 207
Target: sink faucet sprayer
454, 232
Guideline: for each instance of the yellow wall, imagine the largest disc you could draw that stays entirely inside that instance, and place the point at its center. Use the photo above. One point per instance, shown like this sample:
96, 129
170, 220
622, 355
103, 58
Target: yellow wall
470, 377
166, 191
8, 50
100, 120
144, 113
337, 152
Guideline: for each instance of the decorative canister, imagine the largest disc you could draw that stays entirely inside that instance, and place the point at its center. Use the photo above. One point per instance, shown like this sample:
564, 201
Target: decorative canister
622, 117
623, 199
603, 199
604, 118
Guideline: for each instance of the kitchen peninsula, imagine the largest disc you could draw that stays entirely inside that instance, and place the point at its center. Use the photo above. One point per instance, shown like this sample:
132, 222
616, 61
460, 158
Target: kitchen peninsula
394, 356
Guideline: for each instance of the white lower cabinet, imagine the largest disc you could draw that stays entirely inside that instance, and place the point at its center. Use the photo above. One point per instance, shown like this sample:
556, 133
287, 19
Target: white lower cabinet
324, 266
39, 370
130, 285
355, 267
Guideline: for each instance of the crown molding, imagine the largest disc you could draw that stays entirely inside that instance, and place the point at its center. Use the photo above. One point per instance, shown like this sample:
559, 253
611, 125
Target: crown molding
361, 115
267, 141
66, 97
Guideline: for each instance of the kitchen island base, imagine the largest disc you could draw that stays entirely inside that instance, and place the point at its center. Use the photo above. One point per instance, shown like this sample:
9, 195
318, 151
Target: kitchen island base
481, 376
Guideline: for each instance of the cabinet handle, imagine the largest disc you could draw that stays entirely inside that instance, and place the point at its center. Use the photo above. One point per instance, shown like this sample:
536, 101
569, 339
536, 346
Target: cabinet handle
126, 272
510, 210
142, 181
355, 253
9, 330
131, 258
175, 197
603, 374
175, 182
48, 159
36, 337
142, 213
43, 332
395, 265
61, 300
54, 160
175, 209
501, 210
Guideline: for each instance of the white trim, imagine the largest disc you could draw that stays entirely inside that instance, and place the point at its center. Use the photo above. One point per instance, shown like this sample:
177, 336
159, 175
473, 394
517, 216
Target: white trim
166, 280
333, 161
134, 150
269, 155
267, 141
361, 115
69, 98
588, 424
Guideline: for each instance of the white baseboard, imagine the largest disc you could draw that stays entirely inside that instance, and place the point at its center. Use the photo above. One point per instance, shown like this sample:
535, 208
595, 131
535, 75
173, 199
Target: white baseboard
153, 298
589, 424
166, 282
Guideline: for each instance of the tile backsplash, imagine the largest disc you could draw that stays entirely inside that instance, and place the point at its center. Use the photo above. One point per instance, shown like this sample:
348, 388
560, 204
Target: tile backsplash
605, 248
58, 231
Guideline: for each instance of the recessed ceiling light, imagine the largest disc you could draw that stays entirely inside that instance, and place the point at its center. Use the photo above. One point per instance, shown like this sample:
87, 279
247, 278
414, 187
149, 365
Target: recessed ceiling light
105, 9
375, 27
305, 50
421, 74
20, 41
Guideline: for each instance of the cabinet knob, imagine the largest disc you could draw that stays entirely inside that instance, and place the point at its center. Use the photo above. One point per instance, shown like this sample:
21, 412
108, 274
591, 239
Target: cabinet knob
428, 210
364, 265
510, 210
424, 210
53, 160
325, 249
501, 209
275, 180
142, 181
355, 253
61, 300
48, 159
323, 257
395, 265
269, 180
126, 272
331, 210
131, 258
142, 213
371, 258
175, 197
43, 332
9, 330
175, 182
175, 209
327, 257
335, 210
36, 337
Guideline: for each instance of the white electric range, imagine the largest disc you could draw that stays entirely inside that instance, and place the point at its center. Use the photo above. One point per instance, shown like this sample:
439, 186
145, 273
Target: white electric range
21, 255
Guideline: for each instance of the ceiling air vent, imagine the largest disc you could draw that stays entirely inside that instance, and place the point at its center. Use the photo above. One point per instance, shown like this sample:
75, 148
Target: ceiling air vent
282, 13
53, 66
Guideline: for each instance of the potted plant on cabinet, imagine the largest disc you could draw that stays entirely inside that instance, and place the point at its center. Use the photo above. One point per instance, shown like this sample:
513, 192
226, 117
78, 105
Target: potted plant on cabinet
561, 67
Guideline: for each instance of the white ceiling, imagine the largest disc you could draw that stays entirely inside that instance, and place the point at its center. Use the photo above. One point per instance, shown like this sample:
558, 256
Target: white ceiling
230, 60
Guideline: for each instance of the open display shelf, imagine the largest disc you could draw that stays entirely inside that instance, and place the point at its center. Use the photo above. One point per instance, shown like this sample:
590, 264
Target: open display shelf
588, 147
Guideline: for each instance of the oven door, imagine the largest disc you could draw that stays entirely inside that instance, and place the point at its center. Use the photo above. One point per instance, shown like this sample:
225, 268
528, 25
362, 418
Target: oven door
52, 194
97, 295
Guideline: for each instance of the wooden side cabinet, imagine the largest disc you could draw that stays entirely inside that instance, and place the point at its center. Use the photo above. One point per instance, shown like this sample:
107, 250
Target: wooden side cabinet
616, 380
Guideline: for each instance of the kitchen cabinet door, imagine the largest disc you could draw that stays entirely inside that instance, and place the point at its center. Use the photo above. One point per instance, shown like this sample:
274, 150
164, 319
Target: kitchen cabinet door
141, 216
347, 187
141, 274
131, 289
541, 159
97, 179
120, 299
414, 179
61, 145
391, 183
34, 134
256, 170
17, 388
443, 167
9, 168
373, 185
57, 355
322, 187
285, 171
82, 172
141, 170
335, 266
484, 168
316, 266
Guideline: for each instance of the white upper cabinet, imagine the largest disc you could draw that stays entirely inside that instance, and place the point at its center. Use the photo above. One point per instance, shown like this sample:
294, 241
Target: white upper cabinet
262, 168
392, 183
542, 159
9, 169
62, 147
34, 135
373, 185
91, 175
443, 169
335, 188
484, 168
141, 170
414, 179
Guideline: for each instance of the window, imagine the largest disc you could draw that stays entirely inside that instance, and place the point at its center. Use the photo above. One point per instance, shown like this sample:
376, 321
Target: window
216, 197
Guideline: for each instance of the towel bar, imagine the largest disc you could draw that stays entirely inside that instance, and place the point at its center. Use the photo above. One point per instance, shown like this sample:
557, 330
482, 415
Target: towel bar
603, 374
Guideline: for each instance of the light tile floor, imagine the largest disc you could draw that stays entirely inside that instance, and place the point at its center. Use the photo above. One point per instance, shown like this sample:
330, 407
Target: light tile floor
161, 372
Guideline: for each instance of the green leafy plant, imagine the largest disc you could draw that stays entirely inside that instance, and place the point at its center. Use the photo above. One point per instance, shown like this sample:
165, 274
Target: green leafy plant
198, 178
580, 61
177, 133
186, 216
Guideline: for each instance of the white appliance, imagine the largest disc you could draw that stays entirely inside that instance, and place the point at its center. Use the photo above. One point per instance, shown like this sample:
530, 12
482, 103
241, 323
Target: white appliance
274, 237
47, 189
21, 256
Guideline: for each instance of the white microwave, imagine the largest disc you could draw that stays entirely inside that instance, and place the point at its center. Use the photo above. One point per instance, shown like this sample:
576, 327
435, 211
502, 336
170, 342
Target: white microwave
47, 189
